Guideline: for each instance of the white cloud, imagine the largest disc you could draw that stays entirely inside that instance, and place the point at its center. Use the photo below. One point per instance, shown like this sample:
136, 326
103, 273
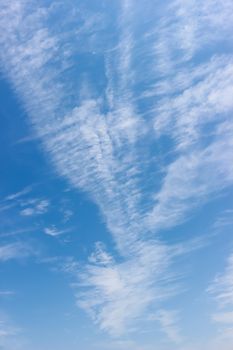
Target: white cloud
6, 331
19, 194
16, 232
27, 212
14, 251
191, 180
10, 335
222, 287
6, 207
224, 220
67, 215
117, 293
106, 150
169, 320
223, 317
222, 291
206, 98
40, 207
54, 231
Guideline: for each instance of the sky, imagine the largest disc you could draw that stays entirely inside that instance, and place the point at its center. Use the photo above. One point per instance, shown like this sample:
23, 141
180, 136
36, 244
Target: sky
116, 182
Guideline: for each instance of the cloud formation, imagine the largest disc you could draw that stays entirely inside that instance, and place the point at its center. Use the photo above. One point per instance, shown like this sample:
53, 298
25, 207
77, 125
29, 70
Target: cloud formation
105, 145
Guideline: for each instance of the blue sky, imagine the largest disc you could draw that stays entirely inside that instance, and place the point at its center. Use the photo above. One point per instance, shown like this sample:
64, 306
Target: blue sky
116, 195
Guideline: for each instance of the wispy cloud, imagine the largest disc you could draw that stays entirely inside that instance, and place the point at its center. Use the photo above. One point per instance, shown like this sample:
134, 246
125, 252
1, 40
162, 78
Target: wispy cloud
103, 142
19, 194
190, 180
11, 200
6, 331
223, 317
10, 335
224, 220
222, 291
54, 231
12, 233
6, 293
40, 207
15, 251
169, 321
109, 288
222, 287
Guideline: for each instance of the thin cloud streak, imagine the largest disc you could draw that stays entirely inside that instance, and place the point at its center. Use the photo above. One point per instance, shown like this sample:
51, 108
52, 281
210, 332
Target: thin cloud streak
15, 251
